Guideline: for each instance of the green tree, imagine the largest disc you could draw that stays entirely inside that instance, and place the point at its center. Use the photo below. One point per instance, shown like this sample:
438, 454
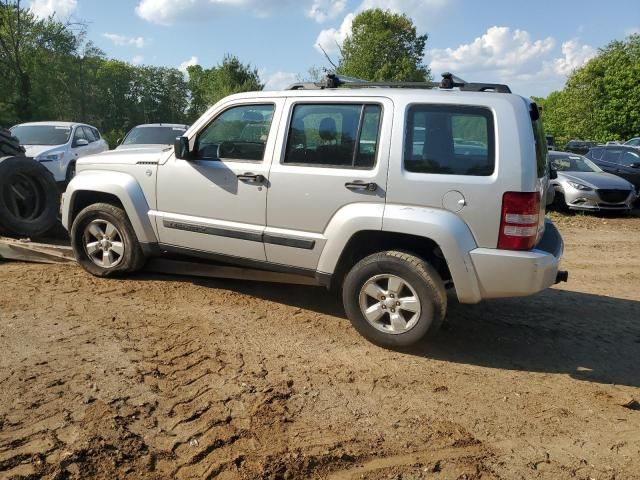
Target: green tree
384, 46
207, 86
600, 100
35, 56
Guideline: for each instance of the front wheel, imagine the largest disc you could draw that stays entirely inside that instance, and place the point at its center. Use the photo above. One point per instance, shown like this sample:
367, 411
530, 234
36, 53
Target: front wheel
104, 242
394, 299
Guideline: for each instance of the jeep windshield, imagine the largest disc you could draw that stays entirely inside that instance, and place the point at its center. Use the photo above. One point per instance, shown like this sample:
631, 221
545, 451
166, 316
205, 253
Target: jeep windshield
153, 135
41, 134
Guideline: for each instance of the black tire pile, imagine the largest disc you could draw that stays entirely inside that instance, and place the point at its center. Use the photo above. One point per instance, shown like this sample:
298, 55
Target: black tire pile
29, 198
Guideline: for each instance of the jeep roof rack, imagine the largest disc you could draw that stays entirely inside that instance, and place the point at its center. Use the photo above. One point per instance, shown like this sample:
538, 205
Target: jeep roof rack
448, 82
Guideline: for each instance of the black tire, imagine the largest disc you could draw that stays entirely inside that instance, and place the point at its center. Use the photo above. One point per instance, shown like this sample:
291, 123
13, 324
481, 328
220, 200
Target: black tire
10, 145
131, 260
422, 278
71, 172
29, 198
559, 202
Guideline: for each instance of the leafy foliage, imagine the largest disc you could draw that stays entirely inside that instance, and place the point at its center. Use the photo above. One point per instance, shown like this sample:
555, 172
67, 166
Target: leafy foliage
207, 86
49, 72
384, 46
600, 100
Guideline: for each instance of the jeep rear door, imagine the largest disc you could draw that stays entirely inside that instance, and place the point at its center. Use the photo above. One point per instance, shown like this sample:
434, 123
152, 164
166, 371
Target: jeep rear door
333, 161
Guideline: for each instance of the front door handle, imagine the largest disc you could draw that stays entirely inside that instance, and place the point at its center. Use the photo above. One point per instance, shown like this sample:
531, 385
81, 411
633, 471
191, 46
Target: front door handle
251, 177
362, 186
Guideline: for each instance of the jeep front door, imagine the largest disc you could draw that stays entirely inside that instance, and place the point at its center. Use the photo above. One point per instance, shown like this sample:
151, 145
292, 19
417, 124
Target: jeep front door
215, 202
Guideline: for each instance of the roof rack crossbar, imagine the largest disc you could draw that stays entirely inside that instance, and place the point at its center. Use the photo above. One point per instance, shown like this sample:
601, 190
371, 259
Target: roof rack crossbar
448, 82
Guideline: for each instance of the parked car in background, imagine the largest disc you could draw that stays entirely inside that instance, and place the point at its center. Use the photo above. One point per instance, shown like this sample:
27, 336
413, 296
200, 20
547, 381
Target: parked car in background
152, 135
633, 142
579, 146
613, 142
57, 145
582, 185
620, 160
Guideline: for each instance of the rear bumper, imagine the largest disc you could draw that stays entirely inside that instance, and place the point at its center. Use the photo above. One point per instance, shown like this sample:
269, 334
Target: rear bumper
506, 273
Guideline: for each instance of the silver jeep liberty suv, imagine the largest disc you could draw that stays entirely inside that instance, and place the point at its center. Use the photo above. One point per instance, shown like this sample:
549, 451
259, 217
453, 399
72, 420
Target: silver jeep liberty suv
387, 192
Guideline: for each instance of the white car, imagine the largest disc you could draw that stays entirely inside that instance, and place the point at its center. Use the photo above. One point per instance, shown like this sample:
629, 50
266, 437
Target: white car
57, 145
151, 135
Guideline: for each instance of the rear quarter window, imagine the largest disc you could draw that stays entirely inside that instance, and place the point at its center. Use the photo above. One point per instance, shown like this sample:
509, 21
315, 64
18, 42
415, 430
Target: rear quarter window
449, 139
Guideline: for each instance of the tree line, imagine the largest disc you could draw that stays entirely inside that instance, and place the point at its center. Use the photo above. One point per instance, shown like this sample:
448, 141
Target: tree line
601, 100
50, 71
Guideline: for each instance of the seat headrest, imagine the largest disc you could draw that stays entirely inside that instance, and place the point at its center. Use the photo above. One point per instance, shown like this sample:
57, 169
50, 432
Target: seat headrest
328, 130
251, 116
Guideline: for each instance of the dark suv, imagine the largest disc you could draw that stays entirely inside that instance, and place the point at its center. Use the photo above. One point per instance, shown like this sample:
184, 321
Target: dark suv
618, 159
579, 146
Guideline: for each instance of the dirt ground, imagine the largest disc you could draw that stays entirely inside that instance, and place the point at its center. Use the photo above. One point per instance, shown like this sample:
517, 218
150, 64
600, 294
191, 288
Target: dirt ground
167, 377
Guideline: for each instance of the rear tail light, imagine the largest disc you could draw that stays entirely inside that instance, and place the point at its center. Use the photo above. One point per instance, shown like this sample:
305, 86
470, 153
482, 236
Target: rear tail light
519, 220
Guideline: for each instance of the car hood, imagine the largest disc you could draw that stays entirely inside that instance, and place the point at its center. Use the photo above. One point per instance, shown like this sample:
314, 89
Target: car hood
36, 150
126, 156
596, 180
145, 146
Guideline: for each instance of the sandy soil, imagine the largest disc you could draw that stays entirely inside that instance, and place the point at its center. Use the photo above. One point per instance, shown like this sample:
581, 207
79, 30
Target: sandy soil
166, 377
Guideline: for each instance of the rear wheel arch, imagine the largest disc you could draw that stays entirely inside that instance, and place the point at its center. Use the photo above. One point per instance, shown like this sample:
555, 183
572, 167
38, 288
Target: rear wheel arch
367, 242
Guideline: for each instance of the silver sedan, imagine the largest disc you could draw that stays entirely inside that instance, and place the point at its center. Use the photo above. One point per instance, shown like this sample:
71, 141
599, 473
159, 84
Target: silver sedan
582, 185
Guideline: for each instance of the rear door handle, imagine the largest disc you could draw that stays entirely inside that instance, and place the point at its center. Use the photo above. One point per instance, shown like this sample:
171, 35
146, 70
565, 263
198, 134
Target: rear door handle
251, 177
362, 186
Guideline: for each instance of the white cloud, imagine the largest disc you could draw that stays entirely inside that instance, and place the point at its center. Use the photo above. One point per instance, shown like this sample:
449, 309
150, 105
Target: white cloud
123, 40
137, 60
330, 39
188, 63
278, 80
512, 56
322, 10
168, 12
574, 56
59, 8
512, 52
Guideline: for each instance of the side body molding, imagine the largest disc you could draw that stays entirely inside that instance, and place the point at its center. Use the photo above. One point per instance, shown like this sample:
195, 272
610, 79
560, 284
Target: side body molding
121, 185
451, 234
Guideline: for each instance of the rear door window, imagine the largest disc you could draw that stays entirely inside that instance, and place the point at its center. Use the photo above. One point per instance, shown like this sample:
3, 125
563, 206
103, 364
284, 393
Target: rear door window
612, 156
334, 135
595, 153
449, 139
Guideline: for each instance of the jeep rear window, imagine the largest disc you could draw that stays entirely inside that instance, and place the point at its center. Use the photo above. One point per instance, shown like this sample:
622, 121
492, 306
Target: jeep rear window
449, 139
541, 146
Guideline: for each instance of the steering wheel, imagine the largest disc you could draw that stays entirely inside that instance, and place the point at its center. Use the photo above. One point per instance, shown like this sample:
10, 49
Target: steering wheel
225, 149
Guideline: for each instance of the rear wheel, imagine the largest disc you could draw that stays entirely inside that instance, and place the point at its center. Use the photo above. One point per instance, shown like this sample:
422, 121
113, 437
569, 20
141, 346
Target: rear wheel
104, 242
394, 299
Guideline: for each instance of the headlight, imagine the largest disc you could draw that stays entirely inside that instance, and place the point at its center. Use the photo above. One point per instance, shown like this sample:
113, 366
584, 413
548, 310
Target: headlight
51, 157
579, 186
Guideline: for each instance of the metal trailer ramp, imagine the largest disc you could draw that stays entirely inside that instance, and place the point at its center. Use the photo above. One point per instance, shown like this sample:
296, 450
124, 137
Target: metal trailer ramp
27, 251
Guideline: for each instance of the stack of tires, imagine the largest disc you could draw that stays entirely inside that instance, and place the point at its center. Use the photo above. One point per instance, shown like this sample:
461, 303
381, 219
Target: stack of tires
29, 198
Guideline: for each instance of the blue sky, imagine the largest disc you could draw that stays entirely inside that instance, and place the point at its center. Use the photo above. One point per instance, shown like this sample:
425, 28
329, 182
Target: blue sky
532, 46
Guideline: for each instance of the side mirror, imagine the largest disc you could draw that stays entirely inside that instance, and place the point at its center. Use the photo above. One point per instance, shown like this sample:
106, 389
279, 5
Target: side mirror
181, 148
635, 165
553, 173
81, 142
